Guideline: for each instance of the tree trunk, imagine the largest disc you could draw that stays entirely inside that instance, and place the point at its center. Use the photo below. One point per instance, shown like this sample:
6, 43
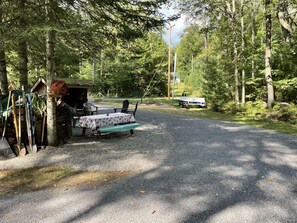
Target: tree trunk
253, 39
3, 70
205, 36
243, 56
101, 64
268, 74
22, 50
50, 67
23, 64
235, 53
285, 21
94, 69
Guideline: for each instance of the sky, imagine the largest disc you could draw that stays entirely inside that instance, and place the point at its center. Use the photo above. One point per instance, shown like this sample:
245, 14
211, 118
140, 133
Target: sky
177, 29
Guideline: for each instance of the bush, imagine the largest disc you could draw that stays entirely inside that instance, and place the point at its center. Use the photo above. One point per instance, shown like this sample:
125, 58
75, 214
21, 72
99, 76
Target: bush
255, 108
285, 112
216, 105
232, 108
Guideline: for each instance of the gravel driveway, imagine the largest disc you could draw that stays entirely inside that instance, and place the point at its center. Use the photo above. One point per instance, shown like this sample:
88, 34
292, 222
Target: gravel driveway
186, 170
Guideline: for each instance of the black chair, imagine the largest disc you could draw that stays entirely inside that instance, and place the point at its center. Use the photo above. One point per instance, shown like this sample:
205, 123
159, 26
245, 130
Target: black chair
124, 108
133, 111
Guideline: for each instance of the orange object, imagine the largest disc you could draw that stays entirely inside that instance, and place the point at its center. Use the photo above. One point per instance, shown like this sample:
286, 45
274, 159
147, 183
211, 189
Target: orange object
59, 87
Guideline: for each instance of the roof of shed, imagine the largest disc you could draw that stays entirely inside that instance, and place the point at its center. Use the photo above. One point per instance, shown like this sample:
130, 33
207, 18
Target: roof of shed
71, 83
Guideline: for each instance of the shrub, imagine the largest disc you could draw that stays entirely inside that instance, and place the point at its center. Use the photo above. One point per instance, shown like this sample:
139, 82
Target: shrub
216, 105
255, 108
232, 108
285, 112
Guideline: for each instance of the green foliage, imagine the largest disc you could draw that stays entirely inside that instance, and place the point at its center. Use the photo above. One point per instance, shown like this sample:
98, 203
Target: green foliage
85, 72
214, 65
232, 108
286, 90
68, 63
83, 28
285, 112
136, 69
38, 104
255, 89
150, 65
214, 86
190, 46
255, 108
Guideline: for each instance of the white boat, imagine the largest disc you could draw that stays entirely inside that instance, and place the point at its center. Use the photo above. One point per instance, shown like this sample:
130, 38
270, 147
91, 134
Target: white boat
192, 101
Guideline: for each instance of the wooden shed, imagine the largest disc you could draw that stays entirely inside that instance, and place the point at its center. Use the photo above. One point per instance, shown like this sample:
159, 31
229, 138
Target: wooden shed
77, 91
77, 95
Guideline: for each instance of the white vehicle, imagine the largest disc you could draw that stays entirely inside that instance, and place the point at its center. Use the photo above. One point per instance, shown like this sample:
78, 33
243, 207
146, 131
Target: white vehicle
191, 101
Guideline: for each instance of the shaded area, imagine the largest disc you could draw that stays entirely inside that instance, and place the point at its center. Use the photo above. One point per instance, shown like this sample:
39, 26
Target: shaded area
214, 171
188, 170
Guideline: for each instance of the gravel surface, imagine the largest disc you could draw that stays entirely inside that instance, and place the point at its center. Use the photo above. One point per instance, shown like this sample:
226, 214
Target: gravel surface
185, 170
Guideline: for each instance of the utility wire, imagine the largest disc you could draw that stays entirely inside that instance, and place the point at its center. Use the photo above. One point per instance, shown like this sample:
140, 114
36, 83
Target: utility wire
150, 85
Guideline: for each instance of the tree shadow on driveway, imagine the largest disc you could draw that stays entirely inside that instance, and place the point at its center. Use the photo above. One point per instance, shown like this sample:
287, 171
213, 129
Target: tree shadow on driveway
213, 172
190, 170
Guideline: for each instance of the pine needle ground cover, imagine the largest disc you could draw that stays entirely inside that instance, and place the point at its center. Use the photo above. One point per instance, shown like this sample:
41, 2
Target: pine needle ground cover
39, 178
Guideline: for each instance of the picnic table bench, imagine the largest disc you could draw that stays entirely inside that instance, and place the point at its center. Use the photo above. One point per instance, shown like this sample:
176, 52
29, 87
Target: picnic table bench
119, 128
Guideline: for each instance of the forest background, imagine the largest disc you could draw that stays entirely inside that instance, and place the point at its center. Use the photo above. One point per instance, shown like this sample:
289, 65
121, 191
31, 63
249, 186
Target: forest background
236, 54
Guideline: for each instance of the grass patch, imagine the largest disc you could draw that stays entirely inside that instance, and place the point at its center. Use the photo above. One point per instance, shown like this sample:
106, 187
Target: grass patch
39, 178
266, 123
